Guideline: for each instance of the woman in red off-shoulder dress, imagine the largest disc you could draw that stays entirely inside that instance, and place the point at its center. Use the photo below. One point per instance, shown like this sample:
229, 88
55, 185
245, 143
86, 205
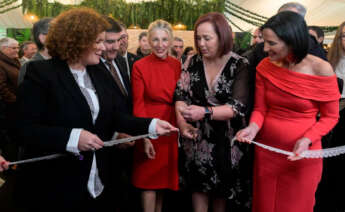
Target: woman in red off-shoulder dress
292, 89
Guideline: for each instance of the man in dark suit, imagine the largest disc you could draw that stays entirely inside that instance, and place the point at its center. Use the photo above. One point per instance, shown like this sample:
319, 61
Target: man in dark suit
129, 57
116, 68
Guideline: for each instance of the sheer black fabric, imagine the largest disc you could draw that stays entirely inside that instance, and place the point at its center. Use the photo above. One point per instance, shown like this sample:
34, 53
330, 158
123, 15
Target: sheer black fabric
212, 163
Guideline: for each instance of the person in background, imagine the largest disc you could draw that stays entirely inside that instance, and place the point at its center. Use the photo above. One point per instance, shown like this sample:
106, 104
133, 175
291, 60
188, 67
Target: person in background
72, 109
178, 46
115, 66
129, 57
292, 88
317, 33
188, 53
210, 106
154, 79
144, 48
9, 70
27, 50
257, 37
39, 31
330, 195
173, 53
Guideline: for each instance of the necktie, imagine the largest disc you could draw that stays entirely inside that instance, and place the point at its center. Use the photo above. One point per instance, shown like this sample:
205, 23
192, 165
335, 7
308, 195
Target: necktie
116, 78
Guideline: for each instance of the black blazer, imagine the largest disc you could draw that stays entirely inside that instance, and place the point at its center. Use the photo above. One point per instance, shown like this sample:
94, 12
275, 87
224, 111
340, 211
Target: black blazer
131, 60
50, 105
125, 102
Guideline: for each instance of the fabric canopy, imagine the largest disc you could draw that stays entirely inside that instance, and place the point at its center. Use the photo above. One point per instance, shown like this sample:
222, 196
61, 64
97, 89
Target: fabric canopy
319, 12
14, 18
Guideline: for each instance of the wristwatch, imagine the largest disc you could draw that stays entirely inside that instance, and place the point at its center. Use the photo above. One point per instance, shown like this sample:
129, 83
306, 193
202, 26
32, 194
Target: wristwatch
208, 113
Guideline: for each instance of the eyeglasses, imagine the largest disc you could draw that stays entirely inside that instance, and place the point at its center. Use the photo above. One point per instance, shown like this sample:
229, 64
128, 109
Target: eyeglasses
124, 37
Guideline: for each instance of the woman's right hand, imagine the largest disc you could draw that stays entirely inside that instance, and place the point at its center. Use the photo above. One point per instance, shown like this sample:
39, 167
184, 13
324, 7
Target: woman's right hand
89, 141
247, 134
149, 149
188, 131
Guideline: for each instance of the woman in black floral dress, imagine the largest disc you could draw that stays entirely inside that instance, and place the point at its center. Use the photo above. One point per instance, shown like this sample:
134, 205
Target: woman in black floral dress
211, 98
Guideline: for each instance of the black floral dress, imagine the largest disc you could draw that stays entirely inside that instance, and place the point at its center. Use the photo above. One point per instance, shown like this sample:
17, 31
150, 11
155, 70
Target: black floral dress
212, 163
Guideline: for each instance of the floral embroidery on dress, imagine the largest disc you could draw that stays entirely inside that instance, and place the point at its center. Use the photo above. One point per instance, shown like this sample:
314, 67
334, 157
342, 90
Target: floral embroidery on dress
211, 163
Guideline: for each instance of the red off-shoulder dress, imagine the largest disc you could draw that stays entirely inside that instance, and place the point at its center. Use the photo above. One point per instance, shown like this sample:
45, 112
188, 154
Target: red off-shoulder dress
287, 104
153, 85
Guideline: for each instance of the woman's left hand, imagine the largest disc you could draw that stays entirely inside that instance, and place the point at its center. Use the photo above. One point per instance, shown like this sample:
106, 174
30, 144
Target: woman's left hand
193, 113
300, 146
164, 128
3, 164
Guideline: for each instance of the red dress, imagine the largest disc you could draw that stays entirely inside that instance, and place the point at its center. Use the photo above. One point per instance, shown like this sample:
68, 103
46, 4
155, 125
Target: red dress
153, 85
286, 108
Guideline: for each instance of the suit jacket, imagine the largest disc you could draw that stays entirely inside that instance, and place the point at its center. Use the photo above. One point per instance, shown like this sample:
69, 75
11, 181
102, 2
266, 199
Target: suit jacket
131, 60
50, 105
125, 102
22, 71
9, 70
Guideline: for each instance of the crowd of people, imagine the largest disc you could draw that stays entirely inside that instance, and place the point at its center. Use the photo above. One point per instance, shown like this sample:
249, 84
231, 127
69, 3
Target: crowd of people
74, 89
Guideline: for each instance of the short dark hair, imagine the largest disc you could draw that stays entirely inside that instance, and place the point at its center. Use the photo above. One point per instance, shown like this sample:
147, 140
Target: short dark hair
318, 31
221, 28
114, 25
40, 27
187, 49
23, 46
142, 34
292, 29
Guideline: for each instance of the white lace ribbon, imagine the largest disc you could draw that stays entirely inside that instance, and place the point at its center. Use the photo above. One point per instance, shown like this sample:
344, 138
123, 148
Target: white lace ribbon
319, 153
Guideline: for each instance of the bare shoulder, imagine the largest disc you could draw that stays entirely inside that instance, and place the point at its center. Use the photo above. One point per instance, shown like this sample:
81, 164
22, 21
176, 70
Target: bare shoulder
319, 66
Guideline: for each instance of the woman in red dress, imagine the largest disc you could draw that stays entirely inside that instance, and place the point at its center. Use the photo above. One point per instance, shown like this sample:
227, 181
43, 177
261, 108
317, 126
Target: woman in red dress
292, 88
154, 79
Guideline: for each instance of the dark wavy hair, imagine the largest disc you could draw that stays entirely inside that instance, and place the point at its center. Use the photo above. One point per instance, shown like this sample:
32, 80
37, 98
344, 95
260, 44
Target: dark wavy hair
291, 28
221, 28
73, 32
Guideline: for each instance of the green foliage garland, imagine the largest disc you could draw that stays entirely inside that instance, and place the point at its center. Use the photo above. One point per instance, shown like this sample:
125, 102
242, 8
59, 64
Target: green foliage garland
143, 13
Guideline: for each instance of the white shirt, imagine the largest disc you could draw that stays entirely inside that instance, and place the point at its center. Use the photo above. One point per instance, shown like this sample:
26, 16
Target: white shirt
72, 144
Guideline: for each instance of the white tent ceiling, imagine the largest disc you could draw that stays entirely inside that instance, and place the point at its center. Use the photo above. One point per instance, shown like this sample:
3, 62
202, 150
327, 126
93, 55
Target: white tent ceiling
319, 12
14, 18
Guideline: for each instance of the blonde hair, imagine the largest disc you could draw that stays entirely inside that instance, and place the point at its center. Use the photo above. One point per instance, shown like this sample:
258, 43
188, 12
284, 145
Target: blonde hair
161, 25
337, 50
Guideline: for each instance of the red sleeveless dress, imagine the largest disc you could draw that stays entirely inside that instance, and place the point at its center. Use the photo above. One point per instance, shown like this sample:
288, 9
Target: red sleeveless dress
286, 107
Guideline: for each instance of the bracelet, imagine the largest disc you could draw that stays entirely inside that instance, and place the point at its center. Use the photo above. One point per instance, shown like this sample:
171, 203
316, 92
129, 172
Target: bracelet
211, 114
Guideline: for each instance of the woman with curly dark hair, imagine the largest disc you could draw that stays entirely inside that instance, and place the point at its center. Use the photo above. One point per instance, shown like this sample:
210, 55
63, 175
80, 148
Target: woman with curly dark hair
68, 106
